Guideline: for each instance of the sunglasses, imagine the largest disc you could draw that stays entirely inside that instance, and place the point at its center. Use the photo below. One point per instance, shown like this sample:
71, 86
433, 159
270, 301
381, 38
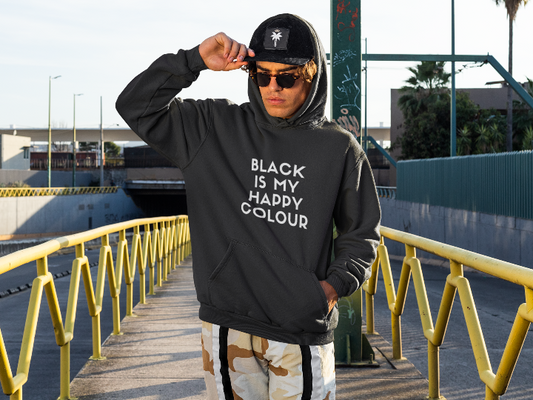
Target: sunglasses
286, 81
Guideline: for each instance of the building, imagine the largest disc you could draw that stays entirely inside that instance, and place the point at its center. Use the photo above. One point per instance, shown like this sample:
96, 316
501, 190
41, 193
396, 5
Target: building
15, 152
485, 98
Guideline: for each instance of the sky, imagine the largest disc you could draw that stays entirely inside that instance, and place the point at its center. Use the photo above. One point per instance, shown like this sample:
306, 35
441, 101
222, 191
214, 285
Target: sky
98, 46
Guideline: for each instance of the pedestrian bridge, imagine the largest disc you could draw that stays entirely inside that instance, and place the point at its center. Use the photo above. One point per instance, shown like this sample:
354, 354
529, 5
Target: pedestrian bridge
154, 351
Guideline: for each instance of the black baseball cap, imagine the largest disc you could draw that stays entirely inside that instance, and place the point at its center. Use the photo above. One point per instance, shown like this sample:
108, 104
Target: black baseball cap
284, 39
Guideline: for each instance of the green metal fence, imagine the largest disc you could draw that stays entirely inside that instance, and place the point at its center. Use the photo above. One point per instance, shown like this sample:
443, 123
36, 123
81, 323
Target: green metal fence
500, 184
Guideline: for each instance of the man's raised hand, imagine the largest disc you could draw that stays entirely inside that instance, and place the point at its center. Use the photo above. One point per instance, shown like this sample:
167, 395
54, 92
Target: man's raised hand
222, 53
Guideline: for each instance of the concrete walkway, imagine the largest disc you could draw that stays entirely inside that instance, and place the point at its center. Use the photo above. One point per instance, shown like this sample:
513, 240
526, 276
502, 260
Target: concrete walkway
159, 356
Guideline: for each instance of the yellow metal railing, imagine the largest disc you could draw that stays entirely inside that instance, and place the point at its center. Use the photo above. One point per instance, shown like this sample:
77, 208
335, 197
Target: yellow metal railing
496, 383
166, 245
56, 191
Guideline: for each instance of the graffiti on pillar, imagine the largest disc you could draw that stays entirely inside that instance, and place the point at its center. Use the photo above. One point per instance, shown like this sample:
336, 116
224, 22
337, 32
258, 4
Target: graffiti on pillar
348, 92
348, 28
347, 310
342, 56
348, 122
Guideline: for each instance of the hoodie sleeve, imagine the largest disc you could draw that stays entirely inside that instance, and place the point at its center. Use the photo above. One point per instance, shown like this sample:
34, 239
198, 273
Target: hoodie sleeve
357, 218
174, 127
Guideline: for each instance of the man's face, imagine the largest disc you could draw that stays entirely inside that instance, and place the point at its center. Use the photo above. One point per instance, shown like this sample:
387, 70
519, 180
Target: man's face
282, 102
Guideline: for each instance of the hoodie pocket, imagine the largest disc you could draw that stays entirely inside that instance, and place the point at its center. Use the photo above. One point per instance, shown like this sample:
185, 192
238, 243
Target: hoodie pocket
252, 282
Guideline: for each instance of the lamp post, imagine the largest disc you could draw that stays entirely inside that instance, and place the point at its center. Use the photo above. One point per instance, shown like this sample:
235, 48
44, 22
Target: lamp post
74, 143
50, 129
101, 146
453, 111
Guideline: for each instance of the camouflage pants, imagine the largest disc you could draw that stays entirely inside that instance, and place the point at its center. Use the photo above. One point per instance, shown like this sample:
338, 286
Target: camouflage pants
240, 366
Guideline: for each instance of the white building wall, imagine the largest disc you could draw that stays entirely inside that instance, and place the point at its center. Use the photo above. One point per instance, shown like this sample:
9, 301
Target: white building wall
13, 154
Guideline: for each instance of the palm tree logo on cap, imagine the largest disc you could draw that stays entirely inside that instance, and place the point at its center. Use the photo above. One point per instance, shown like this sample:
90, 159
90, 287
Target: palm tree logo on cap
276, 36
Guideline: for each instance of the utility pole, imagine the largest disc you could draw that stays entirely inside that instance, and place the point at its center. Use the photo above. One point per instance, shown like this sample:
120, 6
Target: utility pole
49, 163
74, 143
453, 113
101, 146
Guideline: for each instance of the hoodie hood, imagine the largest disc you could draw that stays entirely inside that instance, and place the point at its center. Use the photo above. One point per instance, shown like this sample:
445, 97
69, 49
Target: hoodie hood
312, 111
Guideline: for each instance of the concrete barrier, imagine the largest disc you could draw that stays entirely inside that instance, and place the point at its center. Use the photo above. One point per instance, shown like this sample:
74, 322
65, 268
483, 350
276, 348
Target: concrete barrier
504, 238
31, 217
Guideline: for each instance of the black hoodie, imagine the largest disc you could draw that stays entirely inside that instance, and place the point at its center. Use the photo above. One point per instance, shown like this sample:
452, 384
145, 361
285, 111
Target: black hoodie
263, 193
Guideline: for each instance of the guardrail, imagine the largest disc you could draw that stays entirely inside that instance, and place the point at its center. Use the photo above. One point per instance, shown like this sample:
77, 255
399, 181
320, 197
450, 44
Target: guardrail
496, 383
56, 191
165, 246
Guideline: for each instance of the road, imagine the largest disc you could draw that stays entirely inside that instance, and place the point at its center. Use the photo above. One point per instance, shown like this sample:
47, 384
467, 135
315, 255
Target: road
496, 301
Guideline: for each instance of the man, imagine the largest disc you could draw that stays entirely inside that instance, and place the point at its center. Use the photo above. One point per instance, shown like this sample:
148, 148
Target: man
266, 182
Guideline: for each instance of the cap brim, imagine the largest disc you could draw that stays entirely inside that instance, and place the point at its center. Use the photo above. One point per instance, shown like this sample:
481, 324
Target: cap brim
277, 58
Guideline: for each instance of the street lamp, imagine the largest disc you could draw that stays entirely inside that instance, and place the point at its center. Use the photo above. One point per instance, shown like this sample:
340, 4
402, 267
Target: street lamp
50, 129
101, 146
74, 143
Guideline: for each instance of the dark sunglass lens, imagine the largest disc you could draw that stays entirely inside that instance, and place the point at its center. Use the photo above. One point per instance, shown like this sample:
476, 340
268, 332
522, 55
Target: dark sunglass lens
286, 80
262, 79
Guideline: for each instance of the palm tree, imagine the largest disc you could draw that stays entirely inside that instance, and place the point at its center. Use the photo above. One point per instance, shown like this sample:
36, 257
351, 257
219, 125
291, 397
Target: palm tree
527, 142
427, 84
497, 139
483, 140
512, 9
464, 141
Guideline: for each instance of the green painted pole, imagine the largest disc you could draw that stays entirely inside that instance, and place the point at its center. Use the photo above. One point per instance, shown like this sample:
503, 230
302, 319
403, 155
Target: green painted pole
453, 118
457, 58
365, 136
346, 65
346, 111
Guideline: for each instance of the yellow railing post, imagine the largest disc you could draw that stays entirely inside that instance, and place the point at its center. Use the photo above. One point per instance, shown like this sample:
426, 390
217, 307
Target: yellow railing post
370, 288
396, 337
188, 235
53, 303
106, 262
370, 325
175, 261
171, 257
513, 347
490, 395
164, 250
116, 317
137, 257
398, 306
179, 239
97, 338
169, 247
123, 264
65, 372
433, 371
148, 256
6, 375
156, 251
